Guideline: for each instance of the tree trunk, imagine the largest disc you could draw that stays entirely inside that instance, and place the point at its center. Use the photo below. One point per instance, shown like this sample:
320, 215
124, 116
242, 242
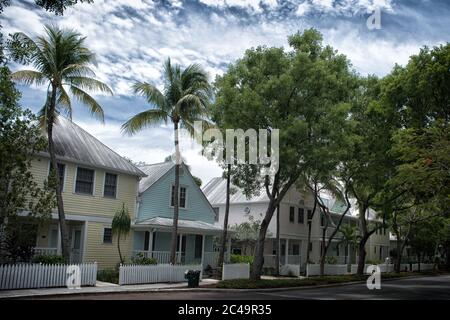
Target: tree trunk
362, 257
65, 247
323, 252
176, 202
258, 261
418, 261
225, 219
278, 244
118, 247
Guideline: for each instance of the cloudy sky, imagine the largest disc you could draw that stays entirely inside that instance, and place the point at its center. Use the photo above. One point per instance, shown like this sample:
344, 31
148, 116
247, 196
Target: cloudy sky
132, 38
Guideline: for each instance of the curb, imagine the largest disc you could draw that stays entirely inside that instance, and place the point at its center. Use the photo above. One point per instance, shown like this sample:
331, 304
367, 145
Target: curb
262, 290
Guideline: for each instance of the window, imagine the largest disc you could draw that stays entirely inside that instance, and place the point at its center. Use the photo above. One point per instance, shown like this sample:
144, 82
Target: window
295, 249
310, 215
322, 220
291, 214
110, 187
310, 246
85, 181
301, 215
107, 235
61, 173
216, 213
181, 195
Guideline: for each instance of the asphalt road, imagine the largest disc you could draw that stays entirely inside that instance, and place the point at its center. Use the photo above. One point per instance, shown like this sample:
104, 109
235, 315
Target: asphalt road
424, 288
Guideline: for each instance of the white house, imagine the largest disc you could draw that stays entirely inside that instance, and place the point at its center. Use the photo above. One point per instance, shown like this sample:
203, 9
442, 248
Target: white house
294, 211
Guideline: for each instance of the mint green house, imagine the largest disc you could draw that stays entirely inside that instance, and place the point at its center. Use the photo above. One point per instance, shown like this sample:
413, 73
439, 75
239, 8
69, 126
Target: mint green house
197, 224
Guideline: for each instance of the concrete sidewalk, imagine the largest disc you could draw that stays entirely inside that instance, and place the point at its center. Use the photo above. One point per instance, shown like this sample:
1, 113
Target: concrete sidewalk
100, 287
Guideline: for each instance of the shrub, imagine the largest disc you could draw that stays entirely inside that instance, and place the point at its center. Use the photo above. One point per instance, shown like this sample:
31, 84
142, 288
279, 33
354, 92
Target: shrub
269, 271
49, 259
235, 258
330, 260
141, 259
108, 275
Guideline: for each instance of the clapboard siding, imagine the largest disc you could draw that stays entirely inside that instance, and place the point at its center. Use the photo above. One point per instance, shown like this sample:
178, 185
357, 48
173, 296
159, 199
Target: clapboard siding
156, 200
105, 254
90, 204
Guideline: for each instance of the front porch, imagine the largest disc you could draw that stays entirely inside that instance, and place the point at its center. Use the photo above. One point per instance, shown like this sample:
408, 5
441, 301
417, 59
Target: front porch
195, 241
48, 240
290, 252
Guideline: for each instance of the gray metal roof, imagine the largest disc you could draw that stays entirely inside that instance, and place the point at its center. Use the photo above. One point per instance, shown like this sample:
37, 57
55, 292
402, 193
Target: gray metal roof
215, 191
154, 172
74, 144
182, 224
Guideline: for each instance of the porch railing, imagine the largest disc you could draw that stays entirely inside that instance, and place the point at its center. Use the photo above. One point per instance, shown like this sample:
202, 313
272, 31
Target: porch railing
40, 251
270, 260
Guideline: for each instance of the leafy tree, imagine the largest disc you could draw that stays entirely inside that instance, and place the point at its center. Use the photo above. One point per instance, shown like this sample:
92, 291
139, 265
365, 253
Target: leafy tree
121, 226
20, 141
62, 62
197, 180
246, 233
184, 100
58, 6
272, 89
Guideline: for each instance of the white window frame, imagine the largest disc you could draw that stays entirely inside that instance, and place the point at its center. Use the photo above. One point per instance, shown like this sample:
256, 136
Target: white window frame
103, 235
170, 196
63, 189
117, 185
75, 181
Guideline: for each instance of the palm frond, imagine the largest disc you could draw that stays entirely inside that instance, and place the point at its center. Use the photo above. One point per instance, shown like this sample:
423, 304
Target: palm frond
144, 119
63, 102
94, 108
89, 84
151, 93
29, 77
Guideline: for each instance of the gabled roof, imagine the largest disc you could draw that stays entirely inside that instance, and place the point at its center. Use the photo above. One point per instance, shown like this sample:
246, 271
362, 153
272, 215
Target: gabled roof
74, 144
215, 191
154, 172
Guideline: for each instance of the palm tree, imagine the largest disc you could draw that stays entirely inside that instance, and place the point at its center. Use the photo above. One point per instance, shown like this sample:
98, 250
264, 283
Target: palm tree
185, 99
350, 239
121, 225
61, 60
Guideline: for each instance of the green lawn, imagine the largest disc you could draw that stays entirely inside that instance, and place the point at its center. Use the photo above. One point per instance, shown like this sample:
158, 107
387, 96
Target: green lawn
312, 281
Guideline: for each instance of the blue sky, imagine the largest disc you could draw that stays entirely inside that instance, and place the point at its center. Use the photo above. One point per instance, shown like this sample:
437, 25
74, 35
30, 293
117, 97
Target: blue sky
132, 38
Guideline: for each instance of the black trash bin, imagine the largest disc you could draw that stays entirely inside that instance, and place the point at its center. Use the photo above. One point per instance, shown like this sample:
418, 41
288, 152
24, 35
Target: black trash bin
193, 278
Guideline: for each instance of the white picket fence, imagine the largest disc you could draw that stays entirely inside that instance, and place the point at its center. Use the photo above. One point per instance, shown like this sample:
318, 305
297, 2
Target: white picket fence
330, 269
140, 274
235, 271
26, 276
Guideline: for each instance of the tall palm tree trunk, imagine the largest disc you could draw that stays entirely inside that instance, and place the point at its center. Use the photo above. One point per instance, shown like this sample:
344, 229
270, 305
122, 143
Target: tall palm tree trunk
118, 248
176, 201
65, 248
225, 219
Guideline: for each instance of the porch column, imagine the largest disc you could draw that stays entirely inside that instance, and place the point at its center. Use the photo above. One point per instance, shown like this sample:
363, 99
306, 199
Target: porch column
179, 247
228, 249
150, 244
58, 245
203, 250
286, 252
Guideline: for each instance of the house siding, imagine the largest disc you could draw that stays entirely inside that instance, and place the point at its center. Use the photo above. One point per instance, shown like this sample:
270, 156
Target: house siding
92, 207
155, 201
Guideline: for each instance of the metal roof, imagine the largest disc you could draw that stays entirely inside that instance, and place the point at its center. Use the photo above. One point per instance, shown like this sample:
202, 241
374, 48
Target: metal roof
74, 144
215, 191
182, 224
154, 172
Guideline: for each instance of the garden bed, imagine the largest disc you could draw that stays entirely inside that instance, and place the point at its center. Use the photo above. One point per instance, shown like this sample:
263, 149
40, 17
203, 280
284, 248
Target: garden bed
306, 282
